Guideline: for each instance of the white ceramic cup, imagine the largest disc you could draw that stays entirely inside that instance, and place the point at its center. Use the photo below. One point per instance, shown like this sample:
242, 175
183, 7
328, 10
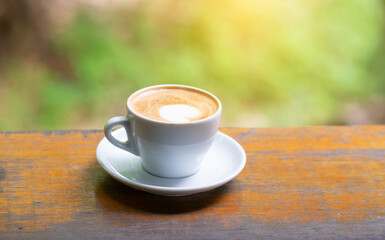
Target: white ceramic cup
166, 149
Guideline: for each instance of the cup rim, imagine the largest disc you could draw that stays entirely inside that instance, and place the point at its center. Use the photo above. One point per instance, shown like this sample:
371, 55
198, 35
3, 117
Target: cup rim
130, 110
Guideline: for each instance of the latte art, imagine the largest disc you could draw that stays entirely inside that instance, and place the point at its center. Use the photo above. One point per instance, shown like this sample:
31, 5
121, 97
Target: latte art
174, 104
178, 113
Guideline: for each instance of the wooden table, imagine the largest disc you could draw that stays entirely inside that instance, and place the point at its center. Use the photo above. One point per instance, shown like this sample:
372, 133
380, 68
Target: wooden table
308, 183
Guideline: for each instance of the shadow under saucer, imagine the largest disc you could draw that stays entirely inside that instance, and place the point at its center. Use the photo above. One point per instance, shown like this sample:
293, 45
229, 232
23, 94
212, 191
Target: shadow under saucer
113, 195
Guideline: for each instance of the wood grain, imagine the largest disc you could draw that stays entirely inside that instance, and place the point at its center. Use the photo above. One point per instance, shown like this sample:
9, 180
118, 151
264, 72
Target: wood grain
311, 183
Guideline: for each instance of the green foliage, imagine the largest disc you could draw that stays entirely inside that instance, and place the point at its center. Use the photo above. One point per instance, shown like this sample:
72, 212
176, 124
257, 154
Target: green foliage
289, 62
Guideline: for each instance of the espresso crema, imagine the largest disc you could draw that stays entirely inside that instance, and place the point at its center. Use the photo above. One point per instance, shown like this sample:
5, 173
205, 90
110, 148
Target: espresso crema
174, 104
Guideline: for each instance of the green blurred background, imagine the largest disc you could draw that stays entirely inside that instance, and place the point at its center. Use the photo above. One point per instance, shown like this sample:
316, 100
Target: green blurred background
72, 64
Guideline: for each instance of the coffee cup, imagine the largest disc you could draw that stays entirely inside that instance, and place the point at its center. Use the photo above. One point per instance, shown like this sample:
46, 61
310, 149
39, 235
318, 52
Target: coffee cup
170, 127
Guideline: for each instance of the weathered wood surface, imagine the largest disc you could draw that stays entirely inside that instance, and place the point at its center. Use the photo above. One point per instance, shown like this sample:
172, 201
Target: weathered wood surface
307, 183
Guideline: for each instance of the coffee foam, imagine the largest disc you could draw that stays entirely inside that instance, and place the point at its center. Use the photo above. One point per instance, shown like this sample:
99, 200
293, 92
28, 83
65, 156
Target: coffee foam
174, 104
178, 113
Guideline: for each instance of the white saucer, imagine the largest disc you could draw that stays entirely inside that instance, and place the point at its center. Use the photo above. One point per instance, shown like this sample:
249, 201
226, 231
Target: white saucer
224, 161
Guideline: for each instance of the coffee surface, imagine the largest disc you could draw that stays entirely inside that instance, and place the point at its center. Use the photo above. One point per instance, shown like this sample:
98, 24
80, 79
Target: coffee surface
174, 104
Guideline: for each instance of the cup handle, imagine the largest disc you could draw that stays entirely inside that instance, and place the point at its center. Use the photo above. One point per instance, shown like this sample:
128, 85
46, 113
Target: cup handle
125, 122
